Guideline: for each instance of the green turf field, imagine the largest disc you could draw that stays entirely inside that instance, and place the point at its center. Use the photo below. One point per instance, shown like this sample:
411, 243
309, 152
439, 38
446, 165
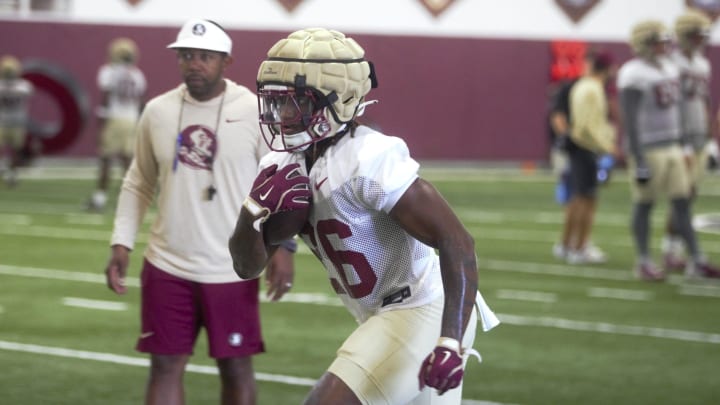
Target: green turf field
570, 334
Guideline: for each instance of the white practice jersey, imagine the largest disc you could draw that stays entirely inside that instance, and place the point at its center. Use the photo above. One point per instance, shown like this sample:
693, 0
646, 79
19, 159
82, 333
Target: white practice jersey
125, 85
14, 102
695, 91
372, 263
658, 120
215, 143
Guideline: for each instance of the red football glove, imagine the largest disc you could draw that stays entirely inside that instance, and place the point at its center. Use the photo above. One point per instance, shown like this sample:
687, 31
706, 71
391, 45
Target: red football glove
443, 368
276, 190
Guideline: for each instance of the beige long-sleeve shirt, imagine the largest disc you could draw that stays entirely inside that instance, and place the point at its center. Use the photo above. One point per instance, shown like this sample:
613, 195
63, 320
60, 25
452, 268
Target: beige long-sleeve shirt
183, 147
590, 127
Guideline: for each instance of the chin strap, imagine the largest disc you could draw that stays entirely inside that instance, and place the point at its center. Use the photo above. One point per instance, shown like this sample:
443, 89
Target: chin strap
363, 105
319, 127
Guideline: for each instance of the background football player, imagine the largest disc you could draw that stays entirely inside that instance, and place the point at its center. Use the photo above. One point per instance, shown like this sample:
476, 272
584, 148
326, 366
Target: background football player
15, 93
374, 224
692, 30
649, 86
122, 85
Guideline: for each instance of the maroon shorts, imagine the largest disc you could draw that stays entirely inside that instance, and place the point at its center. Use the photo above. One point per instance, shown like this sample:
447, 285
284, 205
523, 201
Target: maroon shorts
174, 310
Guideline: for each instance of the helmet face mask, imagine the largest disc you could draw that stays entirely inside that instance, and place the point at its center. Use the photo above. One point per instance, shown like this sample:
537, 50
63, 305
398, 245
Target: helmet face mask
292, 119
660, 44
695, 40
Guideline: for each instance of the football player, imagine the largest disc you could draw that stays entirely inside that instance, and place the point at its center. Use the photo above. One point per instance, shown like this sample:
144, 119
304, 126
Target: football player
122, 85
649, 86
15, 94
373, 223
692, 31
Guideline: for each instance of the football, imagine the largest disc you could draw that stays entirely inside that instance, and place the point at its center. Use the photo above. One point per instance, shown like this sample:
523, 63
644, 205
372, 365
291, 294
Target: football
284, 225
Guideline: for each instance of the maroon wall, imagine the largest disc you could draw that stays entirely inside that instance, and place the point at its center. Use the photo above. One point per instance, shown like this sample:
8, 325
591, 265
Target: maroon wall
449, 98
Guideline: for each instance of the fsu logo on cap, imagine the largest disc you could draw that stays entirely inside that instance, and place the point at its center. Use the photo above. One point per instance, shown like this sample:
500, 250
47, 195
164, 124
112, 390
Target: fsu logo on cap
198, 29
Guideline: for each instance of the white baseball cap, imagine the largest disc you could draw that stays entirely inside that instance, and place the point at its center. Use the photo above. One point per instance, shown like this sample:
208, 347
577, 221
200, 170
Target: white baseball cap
203, 34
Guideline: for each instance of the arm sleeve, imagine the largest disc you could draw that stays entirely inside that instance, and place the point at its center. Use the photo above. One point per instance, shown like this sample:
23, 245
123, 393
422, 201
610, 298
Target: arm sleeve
630, 99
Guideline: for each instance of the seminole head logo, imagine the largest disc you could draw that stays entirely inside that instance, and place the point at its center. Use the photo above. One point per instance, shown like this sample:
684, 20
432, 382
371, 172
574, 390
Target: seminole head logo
197, 146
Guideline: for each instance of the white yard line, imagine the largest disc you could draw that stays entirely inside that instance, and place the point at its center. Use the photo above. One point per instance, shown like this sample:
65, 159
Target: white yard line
15, 219
700, 290
85, 219
602, 327
53, 274
620, 294
94, 304
556, 270
709, 223
308, 298
137, 361
56, 232
144, 362
321, 299
20, 225
532, 296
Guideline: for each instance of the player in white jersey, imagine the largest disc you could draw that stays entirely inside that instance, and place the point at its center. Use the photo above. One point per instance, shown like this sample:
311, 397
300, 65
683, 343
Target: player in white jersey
196, 154
692, 32
649, 87
15, 93
122, 85
374, 224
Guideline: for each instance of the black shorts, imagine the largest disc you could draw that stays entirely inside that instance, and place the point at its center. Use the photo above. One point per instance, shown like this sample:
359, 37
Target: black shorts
583, 170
